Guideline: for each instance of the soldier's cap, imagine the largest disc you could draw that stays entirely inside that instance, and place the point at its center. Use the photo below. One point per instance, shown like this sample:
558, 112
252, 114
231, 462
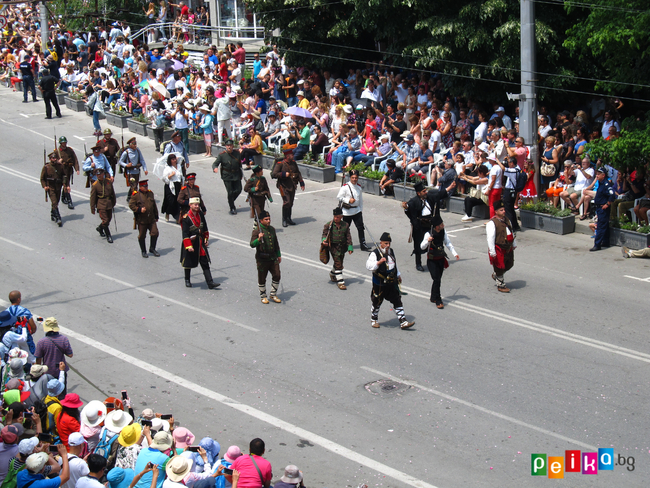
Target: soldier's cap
437, 220
257, 169
107, 131
498, 204
385, 237
337, 211
190, 176
176, 134
52, 155
144, 183
131, 140
418, 187
99, 171
228, 142
288, 151
263, 214
96, 148
62, 139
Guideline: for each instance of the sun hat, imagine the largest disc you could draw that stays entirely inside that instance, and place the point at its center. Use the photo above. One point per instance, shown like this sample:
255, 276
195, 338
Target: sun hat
162, 441
9, 434
54, 388
14, 384
159, 425
300, 94
130, 435
93, 413
116, 420
16, 366
177, 468
51, 324
36, 462
347, 109
6, 319
292, 475
26, 446
183, 437
232, 95
37, 370
147, 414
232, 453
72, 400
120, 478
76, 439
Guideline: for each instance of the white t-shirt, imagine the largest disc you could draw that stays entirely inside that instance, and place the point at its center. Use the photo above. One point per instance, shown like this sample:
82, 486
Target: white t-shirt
581, 181
78, 469
86, 482
495, 173
481, 131
401, 93
436, 137
237, 74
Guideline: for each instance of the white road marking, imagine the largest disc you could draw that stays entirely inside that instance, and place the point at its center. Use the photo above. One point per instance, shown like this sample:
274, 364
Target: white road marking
179, 303
480, 409
466, 228
26, 116
15, 244
647, 280
253, 412
558, 333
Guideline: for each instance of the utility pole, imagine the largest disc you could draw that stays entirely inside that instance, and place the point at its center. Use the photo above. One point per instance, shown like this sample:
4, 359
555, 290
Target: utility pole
528, 97
44, 27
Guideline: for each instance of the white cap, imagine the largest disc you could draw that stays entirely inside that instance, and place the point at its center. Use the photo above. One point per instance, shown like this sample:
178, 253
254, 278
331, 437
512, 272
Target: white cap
501, 109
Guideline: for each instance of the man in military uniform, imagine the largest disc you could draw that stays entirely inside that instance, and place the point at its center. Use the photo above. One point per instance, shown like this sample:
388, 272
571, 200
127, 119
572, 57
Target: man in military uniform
190, 190
194, 250
258, 191
267, 256
68, 158
176, 146
145, 215
501, 245
336, 240
109, 148
96, 161
231, 173
131, 161
420, 210
52, 180
434, 243
288, 176
602, 201
102, 198
385, 282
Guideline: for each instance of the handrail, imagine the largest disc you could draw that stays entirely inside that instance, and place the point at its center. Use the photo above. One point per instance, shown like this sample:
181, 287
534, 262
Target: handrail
218, 30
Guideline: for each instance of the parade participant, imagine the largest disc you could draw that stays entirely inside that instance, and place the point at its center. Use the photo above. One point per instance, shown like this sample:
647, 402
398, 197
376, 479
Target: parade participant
385, 282
145, 215
102, 198
288, 176
420, 210
602, 201
351, 198
131, 161
173, 179
336, 240
190, 190
258, 191
96, 161
176, 146
68, 158
110, 149
501, 245
53, 179
267, 256
434, 242
635, 253
195, 241
231, 173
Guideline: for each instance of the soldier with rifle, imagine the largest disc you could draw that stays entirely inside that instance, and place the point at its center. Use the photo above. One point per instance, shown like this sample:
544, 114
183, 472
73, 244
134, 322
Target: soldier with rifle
190, 190
68, 158
336, 240
94, 161
267, 256
258, 191
231, 173
102, 198
53, 179
145, 215
288, 175
109, 148
131, 161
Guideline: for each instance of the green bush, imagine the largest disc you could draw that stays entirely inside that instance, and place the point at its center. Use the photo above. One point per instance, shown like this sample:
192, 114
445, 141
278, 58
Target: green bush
545, 208
374, 175
625, 224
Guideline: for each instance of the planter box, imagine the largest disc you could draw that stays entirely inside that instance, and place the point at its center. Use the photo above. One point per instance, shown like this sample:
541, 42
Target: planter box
369, 186
117, 120
403, 193
60, 98
167, 134
196, 146
315, 173
19, 86
75, 105
267, 162
556, 225
136, 127
628, 238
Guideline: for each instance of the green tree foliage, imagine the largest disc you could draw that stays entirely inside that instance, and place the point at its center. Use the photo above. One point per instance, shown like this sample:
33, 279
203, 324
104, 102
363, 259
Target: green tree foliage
630, 150
84, 14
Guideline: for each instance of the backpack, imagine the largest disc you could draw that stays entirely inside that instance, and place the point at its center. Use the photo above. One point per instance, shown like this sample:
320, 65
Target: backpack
10, 480
104, 446
520, 183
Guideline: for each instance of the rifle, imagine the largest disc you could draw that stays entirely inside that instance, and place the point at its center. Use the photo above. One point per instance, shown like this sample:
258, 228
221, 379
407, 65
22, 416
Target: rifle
127, 154
87, 172
399, 285
323, 253
259, 225
44, 163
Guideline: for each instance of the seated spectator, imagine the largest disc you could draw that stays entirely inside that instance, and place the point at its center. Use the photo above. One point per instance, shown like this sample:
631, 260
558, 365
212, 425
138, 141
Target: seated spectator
478, 194
394, 174
584, 174
410, 153
633, 185
272, 127
319, 142
642, 208
292, 478
384, 148
424, 159
247, 474
557, 186
446, 175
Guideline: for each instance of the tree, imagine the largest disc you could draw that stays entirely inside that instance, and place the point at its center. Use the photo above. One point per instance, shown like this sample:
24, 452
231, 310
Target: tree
630, 150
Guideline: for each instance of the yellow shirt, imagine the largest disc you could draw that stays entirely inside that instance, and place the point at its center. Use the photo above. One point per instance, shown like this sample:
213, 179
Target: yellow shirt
304, 103
55, 410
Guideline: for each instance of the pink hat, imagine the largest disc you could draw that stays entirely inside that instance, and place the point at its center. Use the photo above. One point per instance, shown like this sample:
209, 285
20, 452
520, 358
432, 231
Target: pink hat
183, 437
72, 400
232, 453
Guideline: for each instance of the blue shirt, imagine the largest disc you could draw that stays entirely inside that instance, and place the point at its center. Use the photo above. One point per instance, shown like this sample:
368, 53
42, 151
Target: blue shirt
156, 457
257, 67
604, 194
100, 162
20, 311
23, 477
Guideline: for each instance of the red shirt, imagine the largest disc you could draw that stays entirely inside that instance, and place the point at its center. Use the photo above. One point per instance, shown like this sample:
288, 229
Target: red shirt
239, 55
248, 475
185, 10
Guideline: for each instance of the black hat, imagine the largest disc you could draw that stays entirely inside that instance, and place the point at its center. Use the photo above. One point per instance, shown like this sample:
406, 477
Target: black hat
131, 140
176, 134
601, 170
437, 220
263, 214
385, 237
498, 204
52, 155
418, 187
228, 142
257, 168
337, 211
190, 176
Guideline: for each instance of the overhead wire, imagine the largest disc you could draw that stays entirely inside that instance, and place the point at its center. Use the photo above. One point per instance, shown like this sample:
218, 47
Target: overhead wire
570, 3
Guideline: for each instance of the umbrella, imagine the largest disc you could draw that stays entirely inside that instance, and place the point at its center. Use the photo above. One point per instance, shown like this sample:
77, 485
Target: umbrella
299, 112
163, 64
178, 65
159, 87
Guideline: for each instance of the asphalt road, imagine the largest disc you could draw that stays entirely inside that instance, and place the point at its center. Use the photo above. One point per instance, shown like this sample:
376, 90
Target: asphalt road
462, 399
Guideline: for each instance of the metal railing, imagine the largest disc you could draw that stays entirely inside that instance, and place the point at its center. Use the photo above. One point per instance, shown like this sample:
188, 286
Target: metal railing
221, 32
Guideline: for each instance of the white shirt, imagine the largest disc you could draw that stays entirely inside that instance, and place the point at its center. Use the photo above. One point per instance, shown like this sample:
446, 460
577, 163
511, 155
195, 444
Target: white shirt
543, 131
401, 93
86, 482
425, 243
491, 231
180, 122
371, 263
348, 191
435, 140
481, 131
170, 180
237, 74
583, 182
78, 469
495, 175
